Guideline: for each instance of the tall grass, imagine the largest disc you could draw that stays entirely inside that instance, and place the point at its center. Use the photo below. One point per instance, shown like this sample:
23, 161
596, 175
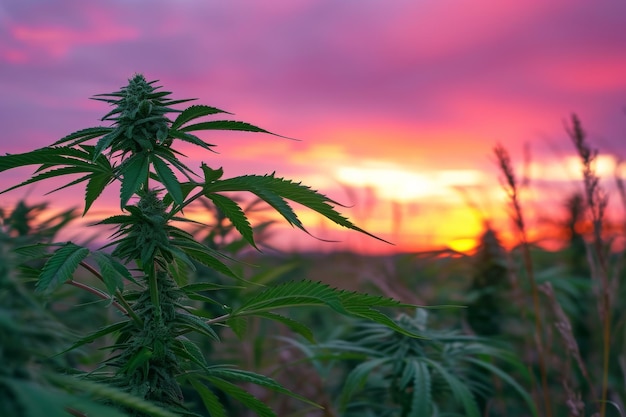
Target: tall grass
511, 187
596, 201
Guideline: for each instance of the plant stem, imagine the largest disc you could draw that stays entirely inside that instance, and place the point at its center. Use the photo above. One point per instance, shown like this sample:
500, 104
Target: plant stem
218, 319
98, 293
538, 324
154, 292
178, 209
75, 413
597, 201
118, 294
605, 312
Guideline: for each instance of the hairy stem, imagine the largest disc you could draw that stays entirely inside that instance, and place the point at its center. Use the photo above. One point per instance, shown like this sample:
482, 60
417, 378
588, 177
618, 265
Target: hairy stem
127, 309
98, 293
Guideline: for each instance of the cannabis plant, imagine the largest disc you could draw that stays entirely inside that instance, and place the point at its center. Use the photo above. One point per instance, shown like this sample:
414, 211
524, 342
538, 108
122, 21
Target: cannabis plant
31, 381
143, 270
489, 283
389, 374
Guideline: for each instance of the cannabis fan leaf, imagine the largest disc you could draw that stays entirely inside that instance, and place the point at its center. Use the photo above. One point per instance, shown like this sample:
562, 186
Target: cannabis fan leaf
151, 356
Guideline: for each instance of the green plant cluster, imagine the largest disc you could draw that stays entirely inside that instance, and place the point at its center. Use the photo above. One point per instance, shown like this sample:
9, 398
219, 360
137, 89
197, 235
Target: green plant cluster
153, 355
385, 373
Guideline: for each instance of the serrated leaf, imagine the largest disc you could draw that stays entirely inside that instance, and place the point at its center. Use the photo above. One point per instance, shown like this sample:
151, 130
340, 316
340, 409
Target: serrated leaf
270, 275
190, 350
368, 313
309, 293
274, 190
138, 360
188, 137
43, 156
134, 174
114, 395
32, 252
111, 274
235, 214
60, 267
243, 397
159, 94
71, 183
169, 102
506, 378
207, 286
179, 268
421, 401
209, 399
204, 255
51, 402
105, 142
357, 378
257, 379
291, 294
459, 390
186, 187
95, 186
121, 219
169, 155
112, 328
210, 174
294, 325
194, 112
69, 161
83, 135
239, 326
167, 178
199, 297
196, 324
259, 186
225, 125
49, 174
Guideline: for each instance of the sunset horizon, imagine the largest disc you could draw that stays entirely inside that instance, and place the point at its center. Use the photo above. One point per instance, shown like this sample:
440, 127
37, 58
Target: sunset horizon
395, 108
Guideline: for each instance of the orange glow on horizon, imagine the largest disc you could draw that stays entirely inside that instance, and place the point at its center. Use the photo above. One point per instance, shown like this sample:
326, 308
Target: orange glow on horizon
396, 107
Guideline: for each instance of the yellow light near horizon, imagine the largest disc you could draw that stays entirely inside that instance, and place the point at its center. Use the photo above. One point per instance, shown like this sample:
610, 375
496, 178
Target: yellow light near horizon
465, 245
570, 168
399, 184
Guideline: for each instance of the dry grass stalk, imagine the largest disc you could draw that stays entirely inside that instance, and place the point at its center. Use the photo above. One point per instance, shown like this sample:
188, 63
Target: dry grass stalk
564, 327
511, 188
574, 403
597, 201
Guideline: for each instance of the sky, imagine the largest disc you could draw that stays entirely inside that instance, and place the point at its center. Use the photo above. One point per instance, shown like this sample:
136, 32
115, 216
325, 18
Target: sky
396, 105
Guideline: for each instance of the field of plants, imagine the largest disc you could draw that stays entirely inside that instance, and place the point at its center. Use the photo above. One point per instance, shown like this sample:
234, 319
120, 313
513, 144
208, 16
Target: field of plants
172, 317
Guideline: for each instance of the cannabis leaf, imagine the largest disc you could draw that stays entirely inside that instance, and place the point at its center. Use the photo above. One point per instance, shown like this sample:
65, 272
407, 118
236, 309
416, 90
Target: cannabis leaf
60, 267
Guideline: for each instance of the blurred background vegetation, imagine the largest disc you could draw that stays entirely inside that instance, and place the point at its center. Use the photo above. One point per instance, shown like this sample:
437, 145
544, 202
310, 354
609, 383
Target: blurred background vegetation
479, 359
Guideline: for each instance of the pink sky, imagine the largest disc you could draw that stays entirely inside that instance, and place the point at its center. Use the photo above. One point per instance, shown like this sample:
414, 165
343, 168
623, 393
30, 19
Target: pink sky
396, 103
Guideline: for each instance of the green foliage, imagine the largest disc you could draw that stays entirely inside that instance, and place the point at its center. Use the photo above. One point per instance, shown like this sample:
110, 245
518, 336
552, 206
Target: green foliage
390, 373
153, 353
308, 293
30, 383
485, 310
60, 267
